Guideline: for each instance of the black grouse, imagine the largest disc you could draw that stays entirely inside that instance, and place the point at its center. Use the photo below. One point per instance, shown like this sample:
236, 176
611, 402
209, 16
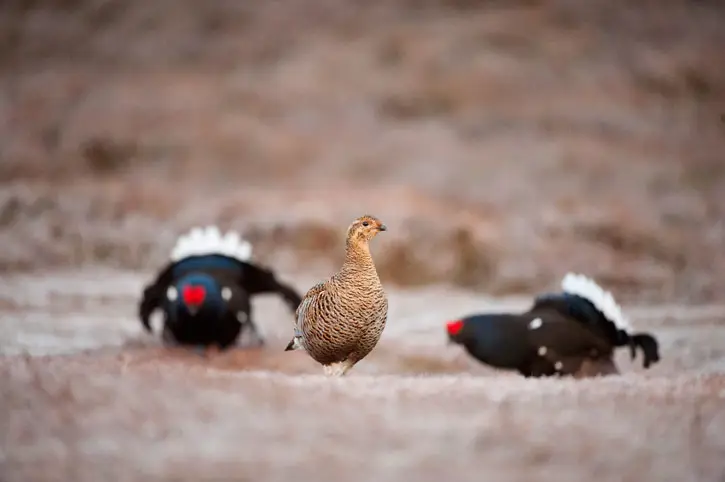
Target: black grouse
574, 332
205, 289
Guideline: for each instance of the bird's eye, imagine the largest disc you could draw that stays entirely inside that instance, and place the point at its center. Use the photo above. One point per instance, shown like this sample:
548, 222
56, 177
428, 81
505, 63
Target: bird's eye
366, 224
171, 293
226, 293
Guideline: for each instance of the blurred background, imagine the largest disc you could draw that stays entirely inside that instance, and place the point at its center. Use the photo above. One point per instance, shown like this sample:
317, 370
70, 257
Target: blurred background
503, 142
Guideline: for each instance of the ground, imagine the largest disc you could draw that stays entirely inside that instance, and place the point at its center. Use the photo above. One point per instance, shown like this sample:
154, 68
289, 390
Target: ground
502, 143
88, 395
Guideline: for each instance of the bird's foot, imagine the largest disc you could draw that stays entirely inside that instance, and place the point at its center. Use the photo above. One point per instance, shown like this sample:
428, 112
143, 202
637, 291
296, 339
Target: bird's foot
256, 340
596, 368
167, 337
209, 352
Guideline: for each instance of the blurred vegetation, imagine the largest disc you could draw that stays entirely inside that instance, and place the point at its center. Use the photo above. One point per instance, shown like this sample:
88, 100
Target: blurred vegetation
536, 136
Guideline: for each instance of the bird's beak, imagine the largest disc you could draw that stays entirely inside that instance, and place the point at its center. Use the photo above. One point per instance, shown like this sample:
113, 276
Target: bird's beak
382, 227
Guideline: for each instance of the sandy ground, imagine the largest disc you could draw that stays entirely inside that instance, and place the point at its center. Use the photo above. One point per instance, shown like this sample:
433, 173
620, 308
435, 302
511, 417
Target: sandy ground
88, 396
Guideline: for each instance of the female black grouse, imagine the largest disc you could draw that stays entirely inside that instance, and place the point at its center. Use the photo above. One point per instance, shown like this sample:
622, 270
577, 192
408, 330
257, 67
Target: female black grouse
204, 291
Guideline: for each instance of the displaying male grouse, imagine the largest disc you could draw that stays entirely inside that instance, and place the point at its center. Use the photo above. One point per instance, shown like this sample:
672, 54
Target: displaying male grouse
564, 333
340, 320
205, 290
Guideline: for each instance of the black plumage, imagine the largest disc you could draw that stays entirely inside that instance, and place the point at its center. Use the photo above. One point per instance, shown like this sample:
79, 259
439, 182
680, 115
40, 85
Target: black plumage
558, 335
205, 294
579, 309
499, 340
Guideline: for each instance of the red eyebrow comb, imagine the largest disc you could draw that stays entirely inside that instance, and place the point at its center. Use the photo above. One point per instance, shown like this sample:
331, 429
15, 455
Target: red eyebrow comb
454, 327
194, 295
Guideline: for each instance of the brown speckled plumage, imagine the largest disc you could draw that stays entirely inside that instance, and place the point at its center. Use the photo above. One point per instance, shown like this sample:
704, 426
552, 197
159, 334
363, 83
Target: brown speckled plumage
340, 320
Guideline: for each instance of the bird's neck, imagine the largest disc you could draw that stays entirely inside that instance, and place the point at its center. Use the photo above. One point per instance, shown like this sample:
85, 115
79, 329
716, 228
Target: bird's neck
358, 257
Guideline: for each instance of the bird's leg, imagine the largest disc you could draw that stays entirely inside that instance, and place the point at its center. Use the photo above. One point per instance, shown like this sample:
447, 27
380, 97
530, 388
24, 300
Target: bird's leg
167, 337
245, 319
345, 366
199, 350
597, 367
257, 340
212, 351
338, 369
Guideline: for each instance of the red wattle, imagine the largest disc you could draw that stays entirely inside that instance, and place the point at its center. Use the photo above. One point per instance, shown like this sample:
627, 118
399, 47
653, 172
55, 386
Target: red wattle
454, 327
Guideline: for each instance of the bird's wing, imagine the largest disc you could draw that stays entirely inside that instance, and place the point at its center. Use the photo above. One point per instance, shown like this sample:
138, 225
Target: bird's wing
153, 296
568, 305
312, 294
578, 309
257, 279
565, 337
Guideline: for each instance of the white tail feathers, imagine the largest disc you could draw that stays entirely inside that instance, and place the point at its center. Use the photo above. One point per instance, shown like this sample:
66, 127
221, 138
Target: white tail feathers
209, 240
578, 284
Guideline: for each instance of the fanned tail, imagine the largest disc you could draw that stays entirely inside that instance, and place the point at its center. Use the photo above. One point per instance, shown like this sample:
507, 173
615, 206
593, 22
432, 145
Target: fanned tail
207, 241
587, 288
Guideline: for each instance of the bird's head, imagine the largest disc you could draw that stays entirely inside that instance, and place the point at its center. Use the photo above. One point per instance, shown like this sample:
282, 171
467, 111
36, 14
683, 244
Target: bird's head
199, 292
365, 228
456, 331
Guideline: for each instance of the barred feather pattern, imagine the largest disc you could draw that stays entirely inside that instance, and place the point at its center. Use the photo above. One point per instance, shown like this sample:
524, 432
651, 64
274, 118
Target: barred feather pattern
341, 320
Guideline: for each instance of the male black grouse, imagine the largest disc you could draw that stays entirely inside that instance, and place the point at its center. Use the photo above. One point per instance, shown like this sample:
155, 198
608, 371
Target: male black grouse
205, 289
574, 332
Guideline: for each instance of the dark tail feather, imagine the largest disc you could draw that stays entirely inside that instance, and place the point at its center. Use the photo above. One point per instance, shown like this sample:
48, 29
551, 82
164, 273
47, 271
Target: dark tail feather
293, 345
649, 346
